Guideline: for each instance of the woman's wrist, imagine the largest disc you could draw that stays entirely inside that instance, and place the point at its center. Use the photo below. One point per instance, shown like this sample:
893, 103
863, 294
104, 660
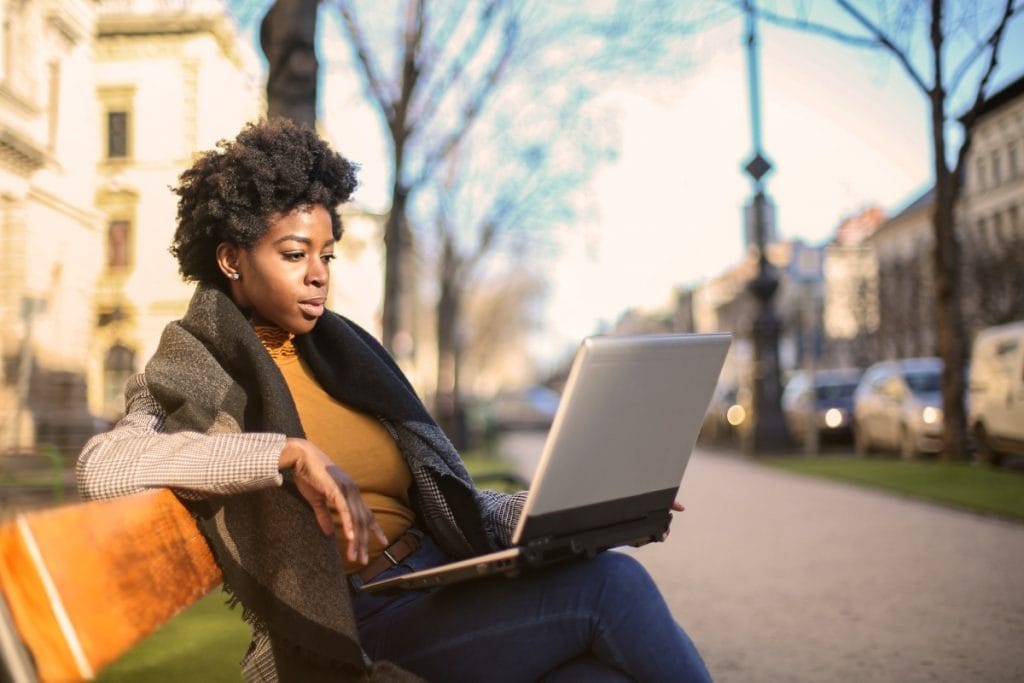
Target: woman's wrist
290, 453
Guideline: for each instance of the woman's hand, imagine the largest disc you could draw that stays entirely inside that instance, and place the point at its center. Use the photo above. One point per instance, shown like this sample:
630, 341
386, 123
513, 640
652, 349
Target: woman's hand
676, 507
326, 487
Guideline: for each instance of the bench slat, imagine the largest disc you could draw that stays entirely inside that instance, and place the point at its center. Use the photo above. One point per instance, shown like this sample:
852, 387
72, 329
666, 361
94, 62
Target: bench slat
86, 582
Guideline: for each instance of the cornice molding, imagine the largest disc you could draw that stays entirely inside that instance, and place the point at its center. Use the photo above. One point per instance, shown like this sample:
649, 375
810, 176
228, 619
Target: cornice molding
86, 215
126, 29
19, 152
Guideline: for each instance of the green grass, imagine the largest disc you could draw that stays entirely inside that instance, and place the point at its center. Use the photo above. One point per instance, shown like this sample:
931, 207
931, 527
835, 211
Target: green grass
966, 485
207, 641
204, 643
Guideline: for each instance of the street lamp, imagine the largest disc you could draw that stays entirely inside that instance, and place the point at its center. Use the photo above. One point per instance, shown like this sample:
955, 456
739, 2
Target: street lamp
767, 432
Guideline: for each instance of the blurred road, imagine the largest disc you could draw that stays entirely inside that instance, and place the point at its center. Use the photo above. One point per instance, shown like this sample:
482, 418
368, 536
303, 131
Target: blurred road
780, 577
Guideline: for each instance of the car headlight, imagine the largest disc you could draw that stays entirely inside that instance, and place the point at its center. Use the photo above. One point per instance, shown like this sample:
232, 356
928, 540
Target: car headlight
931, 415
833, 418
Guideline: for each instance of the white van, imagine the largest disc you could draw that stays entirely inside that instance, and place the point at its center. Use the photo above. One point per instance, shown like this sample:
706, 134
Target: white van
995, 414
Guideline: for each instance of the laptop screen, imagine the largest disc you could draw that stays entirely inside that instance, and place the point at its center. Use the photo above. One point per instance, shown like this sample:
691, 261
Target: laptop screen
626, 424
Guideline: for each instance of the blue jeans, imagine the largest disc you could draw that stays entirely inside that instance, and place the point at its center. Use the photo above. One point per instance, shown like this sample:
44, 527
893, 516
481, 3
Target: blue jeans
591, 620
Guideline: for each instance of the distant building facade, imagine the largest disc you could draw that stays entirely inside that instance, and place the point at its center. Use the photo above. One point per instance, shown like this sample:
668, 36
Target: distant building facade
50, 241
850, 308
172, 78
991, 213
102, 105
903, 248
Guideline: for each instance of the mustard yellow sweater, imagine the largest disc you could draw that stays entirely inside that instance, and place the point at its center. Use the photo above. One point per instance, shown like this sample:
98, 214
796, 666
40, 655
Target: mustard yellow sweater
356, 442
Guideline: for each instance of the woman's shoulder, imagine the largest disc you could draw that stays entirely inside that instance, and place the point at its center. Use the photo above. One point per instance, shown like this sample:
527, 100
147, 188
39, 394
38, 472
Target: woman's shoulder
137, 396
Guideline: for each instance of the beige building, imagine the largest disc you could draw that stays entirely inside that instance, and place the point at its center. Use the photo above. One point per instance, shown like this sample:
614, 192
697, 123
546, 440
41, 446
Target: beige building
903, 247
102, 105
993, 195
357, 282
172, 78
50, 246
850, 291
990, 220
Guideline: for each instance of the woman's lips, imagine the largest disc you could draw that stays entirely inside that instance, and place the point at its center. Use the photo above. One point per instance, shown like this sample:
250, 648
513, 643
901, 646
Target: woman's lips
312, 308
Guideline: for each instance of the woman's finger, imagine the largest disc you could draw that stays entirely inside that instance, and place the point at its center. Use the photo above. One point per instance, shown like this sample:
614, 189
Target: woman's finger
324, 519
357, 519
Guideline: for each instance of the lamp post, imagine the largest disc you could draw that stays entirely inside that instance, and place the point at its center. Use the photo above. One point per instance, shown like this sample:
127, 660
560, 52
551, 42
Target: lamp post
768, 431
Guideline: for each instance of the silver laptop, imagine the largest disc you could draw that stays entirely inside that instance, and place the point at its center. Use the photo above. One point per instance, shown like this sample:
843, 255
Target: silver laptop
614, 457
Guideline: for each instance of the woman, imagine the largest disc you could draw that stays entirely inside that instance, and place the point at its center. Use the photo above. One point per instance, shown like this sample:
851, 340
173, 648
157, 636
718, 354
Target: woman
276, 421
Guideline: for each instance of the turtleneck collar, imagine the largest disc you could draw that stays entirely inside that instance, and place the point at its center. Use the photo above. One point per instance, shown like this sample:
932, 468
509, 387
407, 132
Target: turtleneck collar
278, 343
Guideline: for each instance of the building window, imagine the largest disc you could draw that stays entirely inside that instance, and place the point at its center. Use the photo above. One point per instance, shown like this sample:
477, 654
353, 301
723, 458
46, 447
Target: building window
118, 366
997, 168
117, 104
1012, 161
119, 244
979, 181
117, 135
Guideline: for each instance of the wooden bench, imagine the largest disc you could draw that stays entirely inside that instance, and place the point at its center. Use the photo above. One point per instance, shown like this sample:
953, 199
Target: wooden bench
83, 583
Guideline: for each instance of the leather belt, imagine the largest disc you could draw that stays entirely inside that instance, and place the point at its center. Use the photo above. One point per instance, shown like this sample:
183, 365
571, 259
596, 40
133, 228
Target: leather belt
405, 546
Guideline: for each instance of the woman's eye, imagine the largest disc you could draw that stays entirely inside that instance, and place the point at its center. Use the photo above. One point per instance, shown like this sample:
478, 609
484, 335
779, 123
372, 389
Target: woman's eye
294, 255
327, 258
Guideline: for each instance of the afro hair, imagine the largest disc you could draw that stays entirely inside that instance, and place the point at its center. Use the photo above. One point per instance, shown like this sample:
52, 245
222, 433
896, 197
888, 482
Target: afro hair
231, 193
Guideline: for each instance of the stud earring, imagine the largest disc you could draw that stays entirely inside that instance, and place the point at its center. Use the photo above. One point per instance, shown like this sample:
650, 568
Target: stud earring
234, 276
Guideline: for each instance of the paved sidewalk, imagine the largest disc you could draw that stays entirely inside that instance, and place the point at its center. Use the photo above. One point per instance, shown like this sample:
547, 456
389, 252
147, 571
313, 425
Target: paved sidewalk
780, 577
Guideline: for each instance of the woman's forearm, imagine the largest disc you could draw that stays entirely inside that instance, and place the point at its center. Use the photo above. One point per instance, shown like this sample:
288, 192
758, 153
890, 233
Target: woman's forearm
137, 455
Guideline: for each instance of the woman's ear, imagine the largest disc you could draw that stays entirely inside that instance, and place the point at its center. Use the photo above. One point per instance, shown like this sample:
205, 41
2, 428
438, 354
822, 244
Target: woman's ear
227, 259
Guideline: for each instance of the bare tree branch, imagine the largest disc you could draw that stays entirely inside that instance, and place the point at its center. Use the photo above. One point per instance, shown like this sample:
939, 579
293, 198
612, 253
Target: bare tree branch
471, 109
979, 98
877, 39
377, 85
428, 106
887, 43
412, 39
968, 62
810, 27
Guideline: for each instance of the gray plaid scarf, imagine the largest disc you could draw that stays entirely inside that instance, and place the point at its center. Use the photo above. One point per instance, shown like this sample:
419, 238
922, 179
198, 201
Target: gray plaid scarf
211, 373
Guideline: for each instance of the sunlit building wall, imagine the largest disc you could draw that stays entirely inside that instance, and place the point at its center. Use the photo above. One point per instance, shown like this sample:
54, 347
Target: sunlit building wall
171, 78
49, 228
850, 307
357, 282
903, 247
991, 213
993, 196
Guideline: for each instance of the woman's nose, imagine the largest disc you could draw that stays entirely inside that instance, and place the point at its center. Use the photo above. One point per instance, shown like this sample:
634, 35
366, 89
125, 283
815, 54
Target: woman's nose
318, 273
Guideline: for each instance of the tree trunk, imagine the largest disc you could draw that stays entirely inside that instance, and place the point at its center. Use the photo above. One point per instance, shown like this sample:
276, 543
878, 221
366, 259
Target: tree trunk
945, 267
288, 38
448, 401
395, 241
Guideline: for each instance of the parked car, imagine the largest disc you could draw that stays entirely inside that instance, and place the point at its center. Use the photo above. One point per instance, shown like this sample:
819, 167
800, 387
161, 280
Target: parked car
532, 408
826, 403
898, 407
995, 384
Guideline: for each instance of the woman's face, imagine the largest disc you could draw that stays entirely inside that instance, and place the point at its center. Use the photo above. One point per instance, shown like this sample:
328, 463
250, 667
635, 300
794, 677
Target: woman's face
283, 278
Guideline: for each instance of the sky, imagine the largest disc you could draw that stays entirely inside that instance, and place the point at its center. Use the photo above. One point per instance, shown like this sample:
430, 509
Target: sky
844, 128
842, 133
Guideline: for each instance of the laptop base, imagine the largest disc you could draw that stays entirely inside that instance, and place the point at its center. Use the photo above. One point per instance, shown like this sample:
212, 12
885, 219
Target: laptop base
512, 562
